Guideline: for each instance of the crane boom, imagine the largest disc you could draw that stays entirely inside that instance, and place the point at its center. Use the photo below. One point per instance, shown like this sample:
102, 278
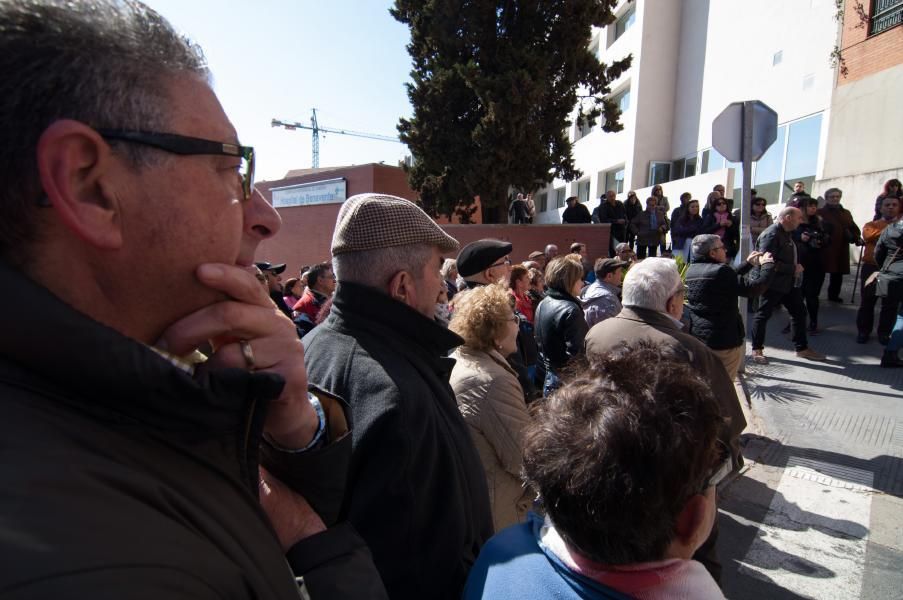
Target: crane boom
316, 129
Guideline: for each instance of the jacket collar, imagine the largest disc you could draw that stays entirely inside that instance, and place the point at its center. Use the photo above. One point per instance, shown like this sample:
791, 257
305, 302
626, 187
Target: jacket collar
559, 295
79, 361
364, 307
654, 318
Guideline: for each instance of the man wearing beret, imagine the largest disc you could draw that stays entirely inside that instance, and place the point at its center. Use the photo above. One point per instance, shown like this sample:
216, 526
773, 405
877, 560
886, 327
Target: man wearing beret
417, 492
484, 261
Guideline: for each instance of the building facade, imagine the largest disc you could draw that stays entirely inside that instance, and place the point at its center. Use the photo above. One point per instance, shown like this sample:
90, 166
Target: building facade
692, 58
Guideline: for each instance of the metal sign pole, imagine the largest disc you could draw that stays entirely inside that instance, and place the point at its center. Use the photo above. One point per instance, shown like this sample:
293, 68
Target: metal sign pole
745, 203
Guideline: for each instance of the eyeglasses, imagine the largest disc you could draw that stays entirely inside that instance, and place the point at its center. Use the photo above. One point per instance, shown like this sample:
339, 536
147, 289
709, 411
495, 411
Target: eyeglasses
191, 146
507, 261
718, 472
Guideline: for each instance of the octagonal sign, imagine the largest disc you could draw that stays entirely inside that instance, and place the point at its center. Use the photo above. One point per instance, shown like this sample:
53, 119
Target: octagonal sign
727, 130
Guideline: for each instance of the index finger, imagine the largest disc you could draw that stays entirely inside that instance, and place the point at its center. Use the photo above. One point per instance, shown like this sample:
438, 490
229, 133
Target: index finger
239, 283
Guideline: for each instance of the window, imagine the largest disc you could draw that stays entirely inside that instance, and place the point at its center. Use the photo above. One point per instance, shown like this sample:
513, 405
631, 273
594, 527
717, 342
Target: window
659, 172
767, 180
543, 204
808, 81
622, 99
625, 22
559, 197
711, 161
777, 58
802, 153
583, 191
583, 128
677, 168
614, 180
886, 14
690, 168
738, 181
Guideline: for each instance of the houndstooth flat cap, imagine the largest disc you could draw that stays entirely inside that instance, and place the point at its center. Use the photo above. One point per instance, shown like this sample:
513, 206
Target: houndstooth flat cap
373, 221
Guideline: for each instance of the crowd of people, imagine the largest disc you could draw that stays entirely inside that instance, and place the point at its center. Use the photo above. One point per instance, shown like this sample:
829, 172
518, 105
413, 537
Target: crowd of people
444, 427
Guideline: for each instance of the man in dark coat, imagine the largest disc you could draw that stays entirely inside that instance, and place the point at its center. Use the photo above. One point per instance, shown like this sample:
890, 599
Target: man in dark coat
133, 461
842, 231
612, 211
417, 491
713, 289
576, 212
785, 288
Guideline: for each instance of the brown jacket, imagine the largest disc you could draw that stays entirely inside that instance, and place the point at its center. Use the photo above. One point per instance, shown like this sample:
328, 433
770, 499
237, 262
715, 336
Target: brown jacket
839, 224
871, 231
492, 402
634, 323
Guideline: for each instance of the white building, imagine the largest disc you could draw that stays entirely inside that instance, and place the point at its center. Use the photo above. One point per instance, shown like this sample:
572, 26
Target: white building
691, 58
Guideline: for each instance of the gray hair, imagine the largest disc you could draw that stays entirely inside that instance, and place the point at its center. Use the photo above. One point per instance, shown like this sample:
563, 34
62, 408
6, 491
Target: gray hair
447, 265
374, 268
101, 62
830, 191
703, 244
650, 283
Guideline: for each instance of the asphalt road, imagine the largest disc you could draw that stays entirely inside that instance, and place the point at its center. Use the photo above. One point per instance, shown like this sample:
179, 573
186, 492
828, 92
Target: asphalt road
818, 510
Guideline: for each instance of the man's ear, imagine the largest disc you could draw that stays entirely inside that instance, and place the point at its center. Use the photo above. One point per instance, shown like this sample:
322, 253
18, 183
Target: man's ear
692, 527
401, 288
74, 163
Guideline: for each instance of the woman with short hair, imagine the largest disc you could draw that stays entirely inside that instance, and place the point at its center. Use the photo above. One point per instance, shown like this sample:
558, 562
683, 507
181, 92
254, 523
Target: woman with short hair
490, 397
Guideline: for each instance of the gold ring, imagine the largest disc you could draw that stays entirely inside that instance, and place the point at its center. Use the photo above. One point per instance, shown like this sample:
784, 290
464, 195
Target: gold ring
247, 353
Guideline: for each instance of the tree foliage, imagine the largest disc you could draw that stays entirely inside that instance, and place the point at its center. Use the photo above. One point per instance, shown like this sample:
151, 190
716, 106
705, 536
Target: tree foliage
495, 85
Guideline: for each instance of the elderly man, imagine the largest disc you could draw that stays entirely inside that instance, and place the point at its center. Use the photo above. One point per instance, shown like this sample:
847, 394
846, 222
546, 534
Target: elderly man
713, 290
844, 231
653, 299
583, 450
785, 288
602, 299
135, 459
550, 252
417, 491
484, 261
612, 211
273, 276
576, 212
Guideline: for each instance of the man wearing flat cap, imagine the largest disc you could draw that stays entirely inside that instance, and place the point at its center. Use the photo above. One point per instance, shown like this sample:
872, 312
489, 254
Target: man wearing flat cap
484, 261
602, 299
417, 492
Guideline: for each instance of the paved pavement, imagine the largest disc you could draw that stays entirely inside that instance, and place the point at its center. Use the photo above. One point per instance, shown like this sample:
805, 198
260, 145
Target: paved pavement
818, 510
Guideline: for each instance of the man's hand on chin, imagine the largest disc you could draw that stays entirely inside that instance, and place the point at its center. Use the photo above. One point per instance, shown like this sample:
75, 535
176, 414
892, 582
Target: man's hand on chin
247, 331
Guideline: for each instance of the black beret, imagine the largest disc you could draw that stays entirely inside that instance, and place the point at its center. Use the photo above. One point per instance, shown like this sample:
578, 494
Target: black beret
478, 256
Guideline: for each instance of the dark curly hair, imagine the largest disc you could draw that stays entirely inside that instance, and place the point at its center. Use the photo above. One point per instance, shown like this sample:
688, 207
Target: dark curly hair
616, 453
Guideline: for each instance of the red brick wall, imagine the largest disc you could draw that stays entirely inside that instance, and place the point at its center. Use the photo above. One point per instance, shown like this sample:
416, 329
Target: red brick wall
864, 55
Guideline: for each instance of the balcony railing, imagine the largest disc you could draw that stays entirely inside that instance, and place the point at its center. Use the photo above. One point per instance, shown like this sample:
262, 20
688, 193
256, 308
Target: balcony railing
886, 14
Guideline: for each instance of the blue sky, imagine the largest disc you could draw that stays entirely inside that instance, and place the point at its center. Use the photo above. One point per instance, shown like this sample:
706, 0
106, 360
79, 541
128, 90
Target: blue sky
280, 58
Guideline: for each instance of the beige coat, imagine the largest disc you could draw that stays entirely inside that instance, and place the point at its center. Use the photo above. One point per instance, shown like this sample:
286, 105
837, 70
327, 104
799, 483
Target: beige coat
492, 402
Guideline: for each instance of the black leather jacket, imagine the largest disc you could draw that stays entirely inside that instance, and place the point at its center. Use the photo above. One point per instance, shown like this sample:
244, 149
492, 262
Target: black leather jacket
560, 329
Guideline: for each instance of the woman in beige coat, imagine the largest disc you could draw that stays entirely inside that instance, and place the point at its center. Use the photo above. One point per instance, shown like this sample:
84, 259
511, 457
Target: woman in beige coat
489, 396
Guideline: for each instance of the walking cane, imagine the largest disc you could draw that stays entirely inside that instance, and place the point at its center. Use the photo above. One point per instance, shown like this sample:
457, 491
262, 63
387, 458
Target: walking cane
856, 280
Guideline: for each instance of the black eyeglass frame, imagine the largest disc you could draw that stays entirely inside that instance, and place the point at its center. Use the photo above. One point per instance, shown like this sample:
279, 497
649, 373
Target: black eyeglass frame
189, 146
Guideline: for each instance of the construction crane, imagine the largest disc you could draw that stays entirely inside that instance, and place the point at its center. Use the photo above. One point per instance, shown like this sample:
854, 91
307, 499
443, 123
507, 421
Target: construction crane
315, 136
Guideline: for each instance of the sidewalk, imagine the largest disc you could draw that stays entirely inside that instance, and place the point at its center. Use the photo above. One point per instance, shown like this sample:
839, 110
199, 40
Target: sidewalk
818, 510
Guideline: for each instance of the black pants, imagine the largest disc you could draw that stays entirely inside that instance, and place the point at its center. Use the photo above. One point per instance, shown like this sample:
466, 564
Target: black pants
834, 285
813, 279
865, 316
793, 302
641, 250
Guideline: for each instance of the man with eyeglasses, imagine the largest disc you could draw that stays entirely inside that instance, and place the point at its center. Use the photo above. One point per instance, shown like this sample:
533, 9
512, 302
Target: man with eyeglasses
626, 506
653, 303
135, 461
321, 284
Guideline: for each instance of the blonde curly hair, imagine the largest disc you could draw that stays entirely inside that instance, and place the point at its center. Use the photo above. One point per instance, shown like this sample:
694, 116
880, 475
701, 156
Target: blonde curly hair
481, 315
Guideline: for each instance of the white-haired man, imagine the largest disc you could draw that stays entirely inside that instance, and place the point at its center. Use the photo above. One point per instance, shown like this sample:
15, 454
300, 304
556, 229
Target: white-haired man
417, 491
653, 301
